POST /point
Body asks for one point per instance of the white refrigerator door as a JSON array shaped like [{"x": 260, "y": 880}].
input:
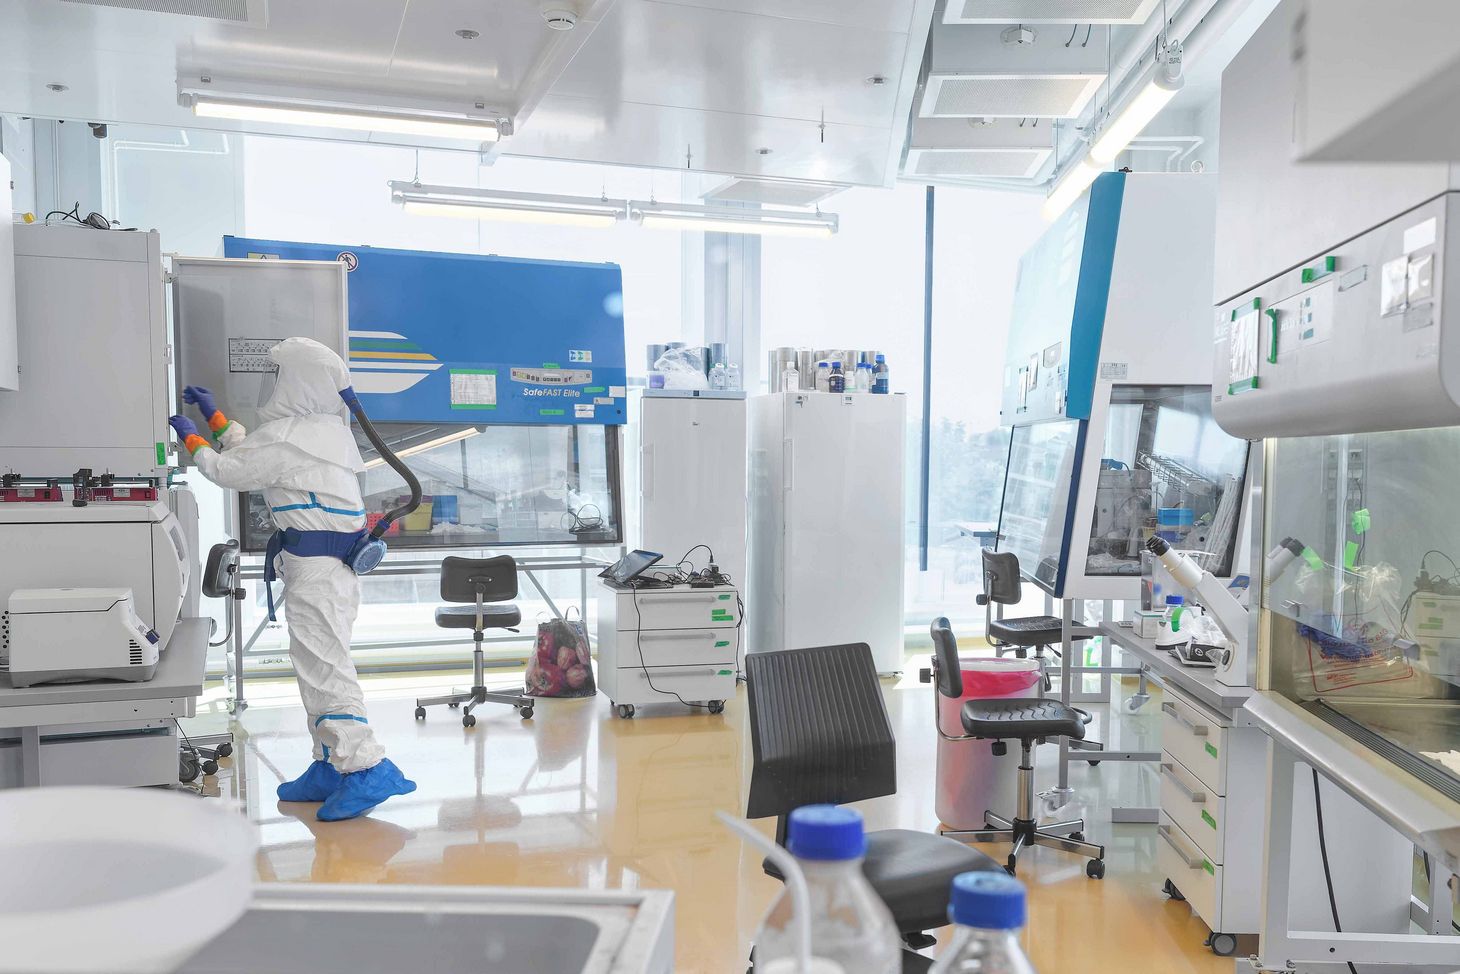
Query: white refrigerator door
[
  {"x": 692, "y": 480},
  {"x": 844, "y": 523}
]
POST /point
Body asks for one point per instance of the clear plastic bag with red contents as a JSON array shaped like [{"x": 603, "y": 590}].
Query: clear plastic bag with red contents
[{"x": 561, "y": 665}]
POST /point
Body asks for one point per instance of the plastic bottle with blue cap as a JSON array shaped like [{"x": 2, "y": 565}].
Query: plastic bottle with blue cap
[
  {"x": 988, "y": 911},
  {"x": 852, "y": 931}
]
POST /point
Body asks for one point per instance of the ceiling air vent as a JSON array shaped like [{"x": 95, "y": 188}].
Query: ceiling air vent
[
  {"x": 976, "y": 163},
  {"x": 252, "y": 12},
  {"x": 772, "y": 192},
  {"x": 986, "y": 148},
  {"x": 971, "y": 72},
  {"x": 1048, "y": 11}
]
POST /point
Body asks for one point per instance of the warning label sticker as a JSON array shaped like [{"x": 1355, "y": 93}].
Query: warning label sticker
[{"x": 473, "y": 389}]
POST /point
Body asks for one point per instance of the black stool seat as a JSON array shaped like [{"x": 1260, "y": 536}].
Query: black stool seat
[
  {"x": 1022, "y": 718},
  {"x": 1026, "y": 631},
  {"x": 494, "y": 616},
  {"x": 912, "y": 873}
]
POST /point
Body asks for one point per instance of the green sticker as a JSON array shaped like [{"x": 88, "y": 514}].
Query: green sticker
[
  {"x": 551, "y": 365},
  {"x": 1237, "y": 387},
  {"x": 550, "y": 412},
  {"x": 1206, "y": 817},
  {"x": 162, "y": 454},
  {"x": 721, "y": 644},
  {"x": 592, "y": 389},
  {"x": 1311, "y": 557},
  {"x": 1207, "y": 865},
  {"x": 1360, "y": 521},
  {"x": 1350, "y": 555},
  {"x": 1211, "y": 749},
  {"x": 725, "y": 597},
  {"x": 725, "y": 673}
]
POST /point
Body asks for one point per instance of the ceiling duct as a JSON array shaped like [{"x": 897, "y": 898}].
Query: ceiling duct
[
  {"x": 1048, "y": 11},
  {"x": 953, "y": 148},
  {"x": 977, "y": 72},
  {"x": 772, "y": 192},
  {"x": 251, "y": 12}
]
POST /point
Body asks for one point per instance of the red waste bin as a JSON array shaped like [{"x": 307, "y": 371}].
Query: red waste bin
[{"x": 971, "y": 779}]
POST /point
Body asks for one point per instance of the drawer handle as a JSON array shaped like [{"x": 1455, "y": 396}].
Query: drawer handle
[
  {"x": 659, "y": 599},
  {"x": 1169, "y": 773},
  {"x": 1197, "y": 730},
  {"x": 1192, "y": 862},
  {"x": 677, "y": 634}
]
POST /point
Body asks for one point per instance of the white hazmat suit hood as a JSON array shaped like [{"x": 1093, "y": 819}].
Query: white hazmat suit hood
[{"x": 305, "y": 410}]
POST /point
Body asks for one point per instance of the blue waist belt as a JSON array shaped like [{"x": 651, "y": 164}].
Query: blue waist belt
[{"x": 304, "y": 544}]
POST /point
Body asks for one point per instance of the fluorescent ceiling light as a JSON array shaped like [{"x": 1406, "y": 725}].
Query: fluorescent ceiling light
[
  {"x": 487, "y": 204},
  {"x": 1074, "y": 182},
  {"x": 287, "y": 112},
  {"x": 1164, "y": 81},
  {"x": 723, "y": 219},
  {"x": 457, "y": 436}
]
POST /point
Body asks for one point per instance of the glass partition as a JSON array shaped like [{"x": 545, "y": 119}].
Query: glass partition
[
  {"x": 1166, "y": 469},
  {"x": 1364, "y": 625},
  {"x": 1037, "y": 486},
  {"x": 486, "y": 486}
]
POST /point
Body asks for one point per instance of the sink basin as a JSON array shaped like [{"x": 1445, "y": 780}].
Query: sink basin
[{"x": 117, "y": 880}]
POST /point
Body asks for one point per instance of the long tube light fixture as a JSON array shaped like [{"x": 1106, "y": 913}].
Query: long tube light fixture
[
  {"x": 491, "y": 204},
  {"x": 1075, "y": 181},
  {"x": 454, "y": 437},
  {"x": 290, "y": 111},
  {"x": 725, "y": 219},
  {"x": 1164, "y": 79}
]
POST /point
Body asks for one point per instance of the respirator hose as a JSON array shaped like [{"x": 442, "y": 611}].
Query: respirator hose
[{"x": 386, "y": 454}]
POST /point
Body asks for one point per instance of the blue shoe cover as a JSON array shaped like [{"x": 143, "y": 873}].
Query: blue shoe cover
[
  {"x": 316, "y": 784},
  {"x": 361, "y": 791}
]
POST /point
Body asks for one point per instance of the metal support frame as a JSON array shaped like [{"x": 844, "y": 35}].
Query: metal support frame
[
  {"x": 527, "y": 566},
  {"x": 1288, "y": 948}
]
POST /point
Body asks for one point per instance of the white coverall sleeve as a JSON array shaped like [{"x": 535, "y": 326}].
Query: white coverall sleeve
[{"x": 255, "y": 468}]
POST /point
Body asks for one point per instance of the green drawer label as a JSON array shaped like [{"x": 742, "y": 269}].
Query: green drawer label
[
  {"x": 721, "y": 644},
  {"x": 725, "y": 597},
  {"x": 721, "y": 615},
  {"x": 1206, "y": 817},
  {"x": 1211, "y": 749},
  {"x": 726, "y": 673},
  {"x": 1207, "y": 865}
]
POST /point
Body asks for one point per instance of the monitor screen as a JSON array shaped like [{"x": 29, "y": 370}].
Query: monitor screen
[{"x": 630, "y": 566}]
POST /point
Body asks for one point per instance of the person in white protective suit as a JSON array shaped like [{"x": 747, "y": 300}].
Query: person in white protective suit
[{"x": 304, "y": 459}]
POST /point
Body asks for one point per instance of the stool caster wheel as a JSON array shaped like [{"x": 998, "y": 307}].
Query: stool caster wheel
[
  {"x": 1093, "y": 764},
  {"x": 454, "y": 706},
  {"x": 525, "y": 712},
  {"x": 187, "y": 768},
  {"x": 420, "y": 713},
  {"x": 470, "y": 720},
  {"x": 717, "y": 706},
  {"x": 210, "y": 767},
  {"x": 1222, "y": 944},
  {"x": 1078, "y": 836},
  {"x": 1169, "y": 888},
  {"x": 1095, "y": 869},
  {"x": 625, "y": 710},
  {"x": 224, "y": 750}
]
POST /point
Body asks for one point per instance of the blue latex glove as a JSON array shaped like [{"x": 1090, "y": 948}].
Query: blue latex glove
[
  {"x": 202, "y": 398},
  {"x": 183, "y": 427},
  {"x": 361, "y": 791}
]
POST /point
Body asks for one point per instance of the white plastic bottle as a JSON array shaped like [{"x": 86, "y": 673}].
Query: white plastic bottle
[
  {"x": 717, "y": 376},
  {"x": 732, "y": 377},
  {"x": 863, "y": 381},
  {"x": 852, "y": 931},
  {"x": 987, "y": 910}
]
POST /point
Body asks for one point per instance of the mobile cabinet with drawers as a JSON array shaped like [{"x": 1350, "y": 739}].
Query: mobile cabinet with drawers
[
  {"x": 1210, "y": 829},
  {"x": 666, "y": 645}
]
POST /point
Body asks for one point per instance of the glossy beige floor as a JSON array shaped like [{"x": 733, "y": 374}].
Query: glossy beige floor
[{"x": 575, "y": 798}]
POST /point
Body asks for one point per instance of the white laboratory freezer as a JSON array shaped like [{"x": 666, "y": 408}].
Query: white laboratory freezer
[
  {"x": 827, "y": 522},
  {"x": 691, "y": 476}
]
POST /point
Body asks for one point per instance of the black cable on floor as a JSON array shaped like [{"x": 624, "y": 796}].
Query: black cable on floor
[{"x": 1327, "y": 873}]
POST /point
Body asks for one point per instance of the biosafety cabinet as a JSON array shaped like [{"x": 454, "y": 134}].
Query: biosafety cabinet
[{"x": 1106, "y": 388}]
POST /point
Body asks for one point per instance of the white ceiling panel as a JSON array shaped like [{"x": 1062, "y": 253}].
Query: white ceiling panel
[
  {"x": 712, "y": 60},
  {"x": 884, "y": 15},
  {"x": 634, "y": 83}
]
